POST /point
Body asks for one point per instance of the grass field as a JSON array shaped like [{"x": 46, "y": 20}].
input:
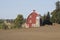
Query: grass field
[{"x": 41, "y": 33}]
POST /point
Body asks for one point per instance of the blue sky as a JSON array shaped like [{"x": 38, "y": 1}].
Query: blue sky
[{"x": 9, "y": 9}]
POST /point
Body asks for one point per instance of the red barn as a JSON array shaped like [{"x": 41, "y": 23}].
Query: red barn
[{"x": 33, "y": 19}]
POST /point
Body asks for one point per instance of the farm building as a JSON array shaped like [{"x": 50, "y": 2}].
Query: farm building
[{"x": 33, "y": 20}]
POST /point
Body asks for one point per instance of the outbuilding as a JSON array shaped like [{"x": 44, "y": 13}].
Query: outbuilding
[{"x": 33, "y": 20}]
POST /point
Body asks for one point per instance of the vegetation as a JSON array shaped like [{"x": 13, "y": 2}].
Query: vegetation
[
  {"x": 10, "y": 23},
  {"x": 48, "y": 16},
  {"x": 19, "y": 21},
  {"x": 47, "y": 19},
  {"x": 56, "y": 16},
  {"x": 2, "y": 24}
]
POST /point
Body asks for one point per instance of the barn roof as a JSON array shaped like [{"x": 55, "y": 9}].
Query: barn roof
[{"x": 34, "y": 12}]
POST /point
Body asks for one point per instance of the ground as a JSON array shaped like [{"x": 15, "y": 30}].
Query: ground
[{"x": 41, "y": 33}]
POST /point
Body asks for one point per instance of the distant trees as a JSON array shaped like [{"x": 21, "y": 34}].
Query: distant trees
[
  {"x": 19, "y": 21},
  {"x": 2, "y": 24},
  {"x": 12, "y": 23},
  {"x": 44, "y": 17},
  {"x": 1, "y": 21},
  {"x": 47, "y": 19},
  {"x": 56, "y": 16},
  {"x": 48, "y": 16}
]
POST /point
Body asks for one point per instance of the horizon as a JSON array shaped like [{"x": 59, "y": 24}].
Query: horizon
[{"x": 9, "y": 9}]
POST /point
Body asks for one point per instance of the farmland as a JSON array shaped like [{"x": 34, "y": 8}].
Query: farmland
[{"x": 41, "y": 33}]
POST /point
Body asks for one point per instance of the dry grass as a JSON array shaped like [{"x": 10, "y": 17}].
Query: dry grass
[{"x": 42, "y": 33}]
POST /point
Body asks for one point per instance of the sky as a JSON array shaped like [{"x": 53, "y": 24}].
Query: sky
[{"x": 9, "y": 9}]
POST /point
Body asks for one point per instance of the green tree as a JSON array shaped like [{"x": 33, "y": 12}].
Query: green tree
[
  {"x": 1, "y": 21},
  {"x": 44, "y": 17},
  {"x": 19, "y": 21},
  {"x": 48, "y": 16},
  {"x": 56, "y": 16},
  {"x": 53, "y": 16}
]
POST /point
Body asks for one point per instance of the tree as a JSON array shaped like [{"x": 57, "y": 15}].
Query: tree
[
  {"x": 48, "y": 16},
  {"x": 19, "y": 21},
  {"x": 1, "y": 21},
  {"x": 56, "y": 16},
  {"x": 44, "y": 17},
  {"x": 47, "y": 19}
]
